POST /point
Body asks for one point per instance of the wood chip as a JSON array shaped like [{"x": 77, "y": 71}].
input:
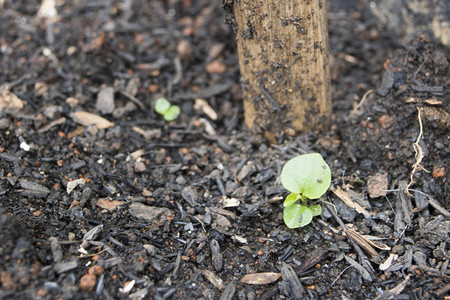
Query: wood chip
[
  {"x": 261, "y": 278},
  {"x": 137, "y": 154},
  {"x": 438, "y": 207},
  {"x": 85, "y": 118},
  {"x": 443, "y": 290},
  {"x": 433, "y": 101},
  {"x": 216, "y": 67},
  {"x": 214, "y": 279}
]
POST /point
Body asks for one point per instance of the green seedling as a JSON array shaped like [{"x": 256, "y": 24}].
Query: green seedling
[
  {"x": 306, "y": 176},
  {"x": 169, "y": 112}
]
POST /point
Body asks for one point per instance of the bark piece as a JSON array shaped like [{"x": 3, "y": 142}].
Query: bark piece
[{"x": 295, "y": 287}]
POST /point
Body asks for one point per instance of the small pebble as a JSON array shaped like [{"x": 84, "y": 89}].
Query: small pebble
[{"x": 87, "y": 282}]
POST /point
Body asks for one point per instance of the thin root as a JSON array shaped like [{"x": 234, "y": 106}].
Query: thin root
[
  {"x": 419, "y": 155},
  {"x": 363, "y": 99}
]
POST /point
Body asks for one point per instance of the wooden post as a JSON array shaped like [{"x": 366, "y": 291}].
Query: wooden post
[{"x": 284, "y": 63}]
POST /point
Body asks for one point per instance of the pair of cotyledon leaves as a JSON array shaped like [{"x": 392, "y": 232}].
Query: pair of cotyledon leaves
[
  {"x": 306, "y": 176},
  {"x": 168, "y": 111}
]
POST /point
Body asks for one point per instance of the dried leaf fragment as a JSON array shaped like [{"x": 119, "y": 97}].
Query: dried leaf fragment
[{"x": 261, "y": 278}]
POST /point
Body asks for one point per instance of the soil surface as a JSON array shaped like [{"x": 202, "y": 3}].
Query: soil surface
[{"x": 100, "y": 198}]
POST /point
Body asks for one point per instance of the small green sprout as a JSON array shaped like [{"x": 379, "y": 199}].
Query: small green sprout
[
  {"x": 169, "y": 112},
  {"x": 306, "y": 176}
]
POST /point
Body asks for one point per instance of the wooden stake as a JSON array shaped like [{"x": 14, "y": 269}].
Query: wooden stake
[{"x": 284, "y": 62}]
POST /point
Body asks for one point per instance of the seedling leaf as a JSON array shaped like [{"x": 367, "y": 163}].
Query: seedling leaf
[
  {"x": 172, "y": 113},
  {"x": 291, "y": 199},
  {"x": 162, "y": 105},
  {"x": 308, "y": 175},
  {"x": 316, "y": 210},
  {"x": 297, "y": 215}
]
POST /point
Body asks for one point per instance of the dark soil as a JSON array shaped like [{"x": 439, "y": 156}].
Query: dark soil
[{"x": 142, "y": 209}]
